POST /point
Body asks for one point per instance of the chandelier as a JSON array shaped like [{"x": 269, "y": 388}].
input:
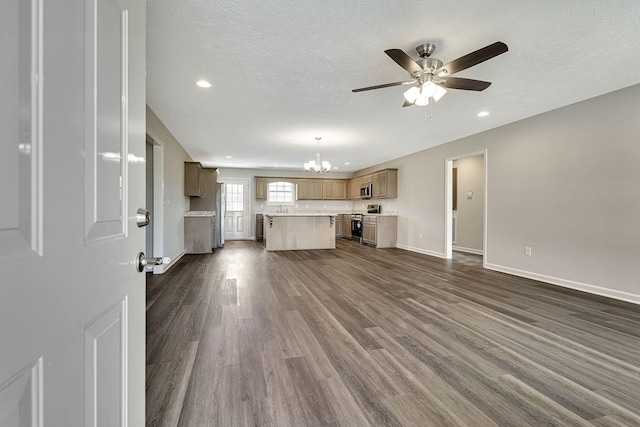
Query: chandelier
[{"x": 317, "y": 166}]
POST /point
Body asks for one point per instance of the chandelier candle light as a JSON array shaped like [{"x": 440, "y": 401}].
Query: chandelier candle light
[{"x": 317, "y": 166}]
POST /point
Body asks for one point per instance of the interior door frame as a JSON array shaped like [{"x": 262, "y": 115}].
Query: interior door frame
[
  {"x": 448, "y": 205},
  {"x": 157, "y": 217}
]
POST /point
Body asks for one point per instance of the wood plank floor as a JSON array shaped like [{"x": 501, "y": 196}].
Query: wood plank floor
[{"x": 383, "y": 337}]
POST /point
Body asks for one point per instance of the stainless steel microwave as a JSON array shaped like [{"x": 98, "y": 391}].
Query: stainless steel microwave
[{"x": 366, "y": 190}]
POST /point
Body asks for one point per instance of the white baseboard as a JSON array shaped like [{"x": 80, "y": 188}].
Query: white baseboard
[
  {"x": 160, "y": 269},
  {"x": 422, "y": 251},
  {"x": 468, "y": 250},
  {"x": 584, "y": 287}
]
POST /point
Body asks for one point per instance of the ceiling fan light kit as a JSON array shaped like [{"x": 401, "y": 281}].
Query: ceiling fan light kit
[{"x": 430, "y": 77}]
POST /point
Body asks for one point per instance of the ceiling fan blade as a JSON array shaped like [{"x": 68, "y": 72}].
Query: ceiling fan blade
[
  {"x": 473, "y": 58},
  {"x": 404, "y": 60},
  {"x": 362, "y": 89},
  {"x": 464, "y": 84}
]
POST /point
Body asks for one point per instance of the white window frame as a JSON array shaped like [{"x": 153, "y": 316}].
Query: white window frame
[{"x": 294, "y": 189}]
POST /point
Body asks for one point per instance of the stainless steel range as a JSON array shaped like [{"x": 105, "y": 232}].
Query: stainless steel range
[{"x": 356, "y": 226}]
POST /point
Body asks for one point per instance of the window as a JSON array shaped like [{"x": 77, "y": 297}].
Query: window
[
  {"x": 235, "y": 197},
  {"x": 281, "y": 193}
]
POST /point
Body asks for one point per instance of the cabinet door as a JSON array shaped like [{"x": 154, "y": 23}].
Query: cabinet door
[
  {"x": 379, "y": 185},
  {"x": 193, "y": 179},
  {"x": 354, "y": 189},
  {"x": 340, "y": 190},
  {"x": 334, "y": 189},
  {"x": 261, "y": 188},
  {"x": 309, "y": 189},
  {"x": 346, "y": 226},
  {"x": 369, "y": 232},
  {"x": 328, "y": 188}
]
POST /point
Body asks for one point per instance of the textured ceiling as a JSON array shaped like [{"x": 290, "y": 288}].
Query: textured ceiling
[{"x": 282, "y": 72}]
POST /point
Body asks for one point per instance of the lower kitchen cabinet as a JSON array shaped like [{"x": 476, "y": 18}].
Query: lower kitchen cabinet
[
  {"x": 199, "y": 234},
  {"x": 380, "y": 231},
  {"x": 346, "y": 225}
]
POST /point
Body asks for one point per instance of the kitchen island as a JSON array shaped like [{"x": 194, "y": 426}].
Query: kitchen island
[{"x": 299, "y": 231}]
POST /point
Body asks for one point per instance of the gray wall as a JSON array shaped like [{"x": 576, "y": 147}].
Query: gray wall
[{"x": 564, "y": 183}]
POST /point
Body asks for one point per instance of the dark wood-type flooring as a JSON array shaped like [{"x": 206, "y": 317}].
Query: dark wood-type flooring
[{"x": 384, "y": 337}]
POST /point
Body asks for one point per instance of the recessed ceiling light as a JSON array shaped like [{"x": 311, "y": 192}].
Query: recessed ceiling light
[
  {"x": 483, "y": 114},
  {"x": 203, "y": 83},
  {"x": 229, "y": 157},
  {"x": 347, "y": 163},
  {"x": 335, "y": 168}
]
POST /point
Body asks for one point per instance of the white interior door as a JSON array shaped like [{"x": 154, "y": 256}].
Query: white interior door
[
  {"x": 237, "y": 209},
  {"x": 72, "y": 114}
]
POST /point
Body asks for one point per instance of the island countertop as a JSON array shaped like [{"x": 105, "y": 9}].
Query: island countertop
[{"x": 299, "y": 214}]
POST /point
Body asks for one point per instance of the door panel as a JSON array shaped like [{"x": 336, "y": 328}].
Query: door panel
[
  {"x": 71, "y": 300},
  {"x": 20, "y": 121},
  {"x": 237, "y": 209}
]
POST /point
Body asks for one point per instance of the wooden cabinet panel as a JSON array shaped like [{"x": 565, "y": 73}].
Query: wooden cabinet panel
[
  {"x": 353, "y": 192},
  {"x": 334, "y": 189},
  {"x": 193, "y": 179},
  {"x": 261, "y": 188},
  {"x": 346, "y": 226},
  {"x": 385, "y": 184},
  {"x": 309, "y": 189},
  {"x": 369, "y": 233}
]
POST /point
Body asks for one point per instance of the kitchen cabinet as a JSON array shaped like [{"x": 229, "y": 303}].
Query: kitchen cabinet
[
  {"x": 259, "y": 228},
  {"x": 334, "y": 189},
  {"x": 380, "y": 231},
  {"x": 354, "y": 189},
  {"x": 310, "y": 189},
  {"x": 385, "y": 184},
  {"x": 199, "y": 232},
  {"x": 346, "y": 226},
  {"x": 261, "y": 188},
  {"x": 338, "y": 225},
  {"x": 369, "y": 225},
  {"x": 193, "y": 179}
]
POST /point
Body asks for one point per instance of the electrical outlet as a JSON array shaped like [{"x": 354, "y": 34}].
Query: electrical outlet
[{"x": 527, "y": 251}]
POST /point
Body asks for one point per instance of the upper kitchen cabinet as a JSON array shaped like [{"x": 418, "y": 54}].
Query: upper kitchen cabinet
[
  {"x": 261, "y": 188},
  {"x": 334, "y": 189},
  {"x": 353, "y": 192},
  {"x": 310, "y": 189},
  {"x": 193, "y": 179},
  {"x": 385, "y": 184}
]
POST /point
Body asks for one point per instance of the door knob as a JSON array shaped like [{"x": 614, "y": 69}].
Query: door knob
[
  {"x": 143, "y": 217},
  {"x": 150, "y": 262}
]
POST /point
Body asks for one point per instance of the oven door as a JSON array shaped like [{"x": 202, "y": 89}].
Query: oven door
[{"x": 356, "y": 227}]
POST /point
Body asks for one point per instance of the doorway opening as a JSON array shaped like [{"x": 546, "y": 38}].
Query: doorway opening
[{"x": 466, "y": 208}]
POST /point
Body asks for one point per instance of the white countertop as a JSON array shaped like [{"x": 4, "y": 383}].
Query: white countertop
[
  {"x": 200, "y": 213},
  {"x": 300, "y": 214}
]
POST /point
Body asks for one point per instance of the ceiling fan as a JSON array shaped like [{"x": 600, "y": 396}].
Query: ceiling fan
[{"x": 431, "y": 79}]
